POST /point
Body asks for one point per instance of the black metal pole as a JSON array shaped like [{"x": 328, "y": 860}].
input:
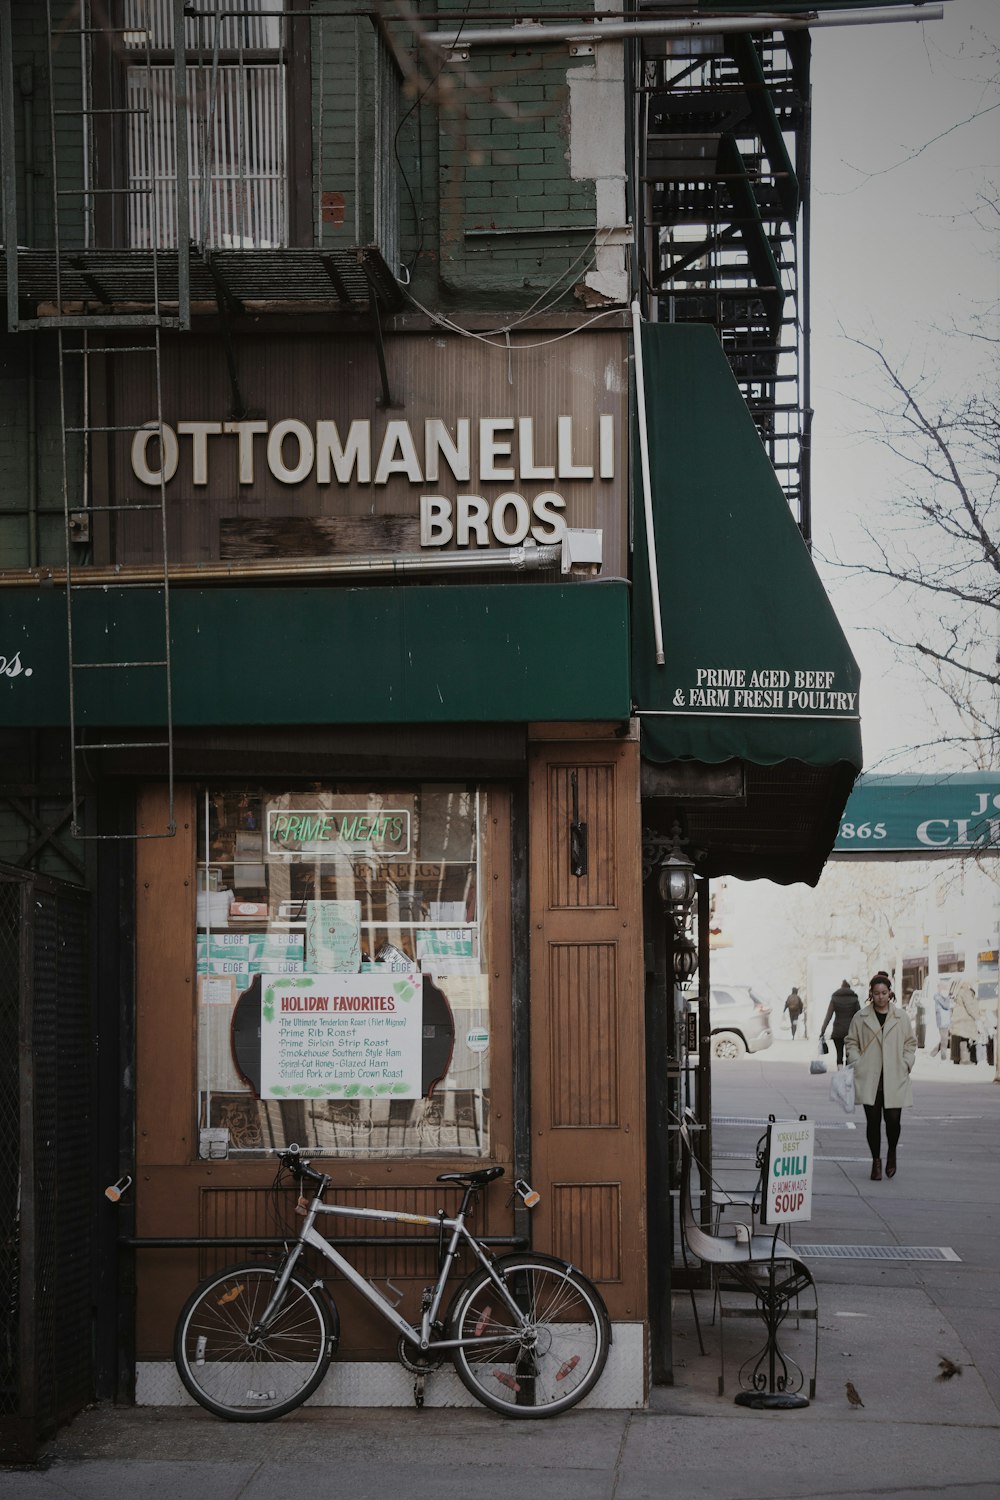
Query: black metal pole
[{"x": 660, "y": 1218}]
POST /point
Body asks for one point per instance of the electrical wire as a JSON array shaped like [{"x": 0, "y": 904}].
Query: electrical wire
[{"x": 490, "y": 335}]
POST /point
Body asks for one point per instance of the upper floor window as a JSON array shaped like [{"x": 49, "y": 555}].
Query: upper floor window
[{"x": 237, "y": 167}]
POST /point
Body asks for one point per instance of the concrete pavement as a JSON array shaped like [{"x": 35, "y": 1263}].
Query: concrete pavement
[{"x": 884, "y": 1324}]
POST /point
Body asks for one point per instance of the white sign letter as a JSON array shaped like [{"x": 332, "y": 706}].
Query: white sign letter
[
  {"x": 200, "y": 432},
  {"x": 511, "y": 537},
  {"x": 275, "y": 456},
  {"x": 567, "y": 468},
  {"x": 398, "y": 435},
  {"x": 168, "y": 453},
  {"x": 356, "y": 453},
  {"x": 492, "y": 447},
  {"x": 435, "y": 521},
  {"x": 245, "y": 432},
  {"x": 547, "y": 507},
  {"x": 607, "y": 428},
  {"x": 456, "y": 452},
  {"x": 526, "y": 444},
  {"x": 472, "y": 515}
]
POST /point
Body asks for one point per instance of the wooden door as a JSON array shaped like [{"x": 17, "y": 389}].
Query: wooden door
[{"x": 587, "y": 1054}]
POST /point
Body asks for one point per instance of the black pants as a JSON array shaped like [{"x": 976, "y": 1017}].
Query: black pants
[
  {"x": 873, "y": 1128},
  {"x": 795, "y": 1021},
  {"x": 838, "y": 1042}
]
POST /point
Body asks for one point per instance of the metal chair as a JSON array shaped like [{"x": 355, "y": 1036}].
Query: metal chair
[{"x": 772, "y": 1273}]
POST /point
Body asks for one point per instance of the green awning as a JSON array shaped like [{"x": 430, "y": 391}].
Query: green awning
[
  {"x": 922, "y": 815},
  {"x": 757, "y": 669},
  {"x": 321, "y": 655}
]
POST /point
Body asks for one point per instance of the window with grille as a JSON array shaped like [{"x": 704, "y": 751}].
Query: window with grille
[{"x": 237, "y": 167}]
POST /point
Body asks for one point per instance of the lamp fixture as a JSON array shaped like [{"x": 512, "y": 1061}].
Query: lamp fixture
[
  {"x": 685, "y": 959},
  {"x": 675, "y": 880}
]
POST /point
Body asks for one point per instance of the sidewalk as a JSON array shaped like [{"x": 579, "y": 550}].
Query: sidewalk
[{"x": 883, "y": 1325}]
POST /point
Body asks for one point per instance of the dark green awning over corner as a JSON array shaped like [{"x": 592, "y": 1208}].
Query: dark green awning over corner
[{"x": 757, "y": 667}]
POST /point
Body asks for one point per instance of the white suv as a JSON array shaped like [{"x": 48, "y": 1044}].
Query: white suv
[{"x": 740, "y": 1018}]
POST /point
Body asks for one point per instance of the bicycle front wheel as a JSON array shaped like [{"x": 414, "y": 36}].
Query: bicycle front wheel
[
  {"x": 542, "y": 1364},
  {"x": 237, "y": 1371}
]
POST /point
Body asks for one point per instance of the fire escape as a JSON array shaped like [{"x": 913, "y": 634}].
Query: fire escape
[
  {"x": 151, "y": 184},
  {"x": 723, "y": 166}
]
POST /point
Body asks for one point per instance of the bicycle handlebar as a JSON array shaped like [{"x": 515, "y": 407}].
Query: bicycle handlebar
[{"x": 299, "y": 1168}]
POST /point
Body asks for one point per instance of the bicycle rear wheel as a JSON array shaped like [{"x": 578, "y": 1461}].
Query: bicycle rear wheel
[
  {"x": 548, "y": 1363},
  {"x": 244, "y": 1375}
]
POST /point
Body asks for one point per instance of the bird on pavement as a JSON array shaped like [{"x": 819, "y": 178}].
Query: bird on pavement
[
  {"x": 852, "y": 1395},
  {"x": 948, "y": 1368}
]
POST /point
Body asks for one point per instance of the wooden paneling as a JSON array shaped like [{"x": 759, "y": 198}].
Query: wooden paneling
[
  {"x": 593, "y": 805},
  {"x": 587, "y": 1226},
  {"x": 316, "y": 536},
  {"x": 587, "y": 1033},
  {"x": 165, "y": 980},
  {"x": 584, "y": 1068}
]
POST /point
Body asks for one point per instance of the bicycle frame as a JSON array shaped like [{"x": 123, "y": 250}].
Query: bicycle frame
[{"x": 420, "y": 1336}]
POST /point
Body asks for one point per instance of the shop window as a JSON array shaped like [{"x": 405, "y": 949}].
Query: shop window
[
  {"x": 237, "y": 125},
  {"x": 342, "y": 953}
]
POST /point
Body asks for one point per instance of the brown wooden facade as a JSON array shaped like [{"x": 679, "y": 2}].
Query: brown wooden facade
[{"x": 585, "y": 1057}]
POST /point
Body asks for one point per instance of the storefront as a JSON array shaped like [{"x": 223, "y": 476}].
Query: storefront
[
  {"x": 376, "y": 808},
  {"x": 390, "y": 903}
]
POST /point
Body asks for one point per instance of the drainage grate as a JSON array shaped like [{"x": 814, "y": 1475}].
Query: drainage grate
[{"x": 877, "y": 1252}]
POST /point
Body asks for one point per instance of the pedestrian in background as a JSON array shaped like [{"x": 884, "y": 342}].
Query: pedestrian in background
[
  {"x": 964, "y": 1021},
  {"x": 881, "y": 1047},
  {"x": 793, "y": 1005},
  {"x": 942, "y": 1018},
  {"x": 844, "y": 1006}
]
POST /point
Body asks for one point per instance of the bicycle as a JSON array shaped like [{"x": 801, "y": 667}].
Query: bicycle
[{"x": 527, "y": 1333}]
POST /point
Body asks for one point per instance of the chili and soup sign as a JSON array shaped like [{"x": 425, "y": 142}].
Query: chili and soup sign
[{"x": 789, "y": 1158}]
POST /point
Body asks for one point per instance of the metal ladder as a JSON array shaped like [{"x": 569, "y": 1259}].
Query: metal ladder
[{"x": 120, "y": 670}]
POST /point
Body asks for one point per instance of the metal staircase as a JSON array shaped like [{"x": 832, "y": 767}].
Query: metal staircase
[{"x": 724, "y": 127}]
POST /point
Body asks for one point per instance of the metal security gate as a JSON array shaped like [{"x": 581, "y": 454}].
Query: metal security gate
[{"x": 46, "y": 1160}]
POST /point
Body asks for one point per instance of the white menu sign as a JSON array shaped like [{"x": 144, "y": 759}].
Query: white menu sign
[
  {"x": 341, "y": 1036},
  {"x": 788, "y": 1189}
]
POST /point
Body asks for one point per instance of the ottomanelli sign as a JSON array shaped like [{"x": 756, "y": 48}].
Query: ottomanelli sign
[
  {"x": 532, "y": 461},
  {"x": 341, "y": 1036}
]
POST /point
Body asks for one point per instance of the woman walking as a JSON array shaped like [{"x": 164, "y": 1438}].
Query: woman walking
[
  {"x": 844, "y": 1006},
  {"x": 881, "y": 1047}
]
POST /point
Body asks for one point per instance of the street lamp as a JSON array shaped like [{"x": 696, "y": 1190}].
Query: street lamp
[{"x": 676, "y": 885}]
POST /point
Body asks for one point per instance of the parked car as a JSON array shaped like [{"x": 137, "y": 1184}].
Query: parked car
[{"x": 740, "y": 1020}]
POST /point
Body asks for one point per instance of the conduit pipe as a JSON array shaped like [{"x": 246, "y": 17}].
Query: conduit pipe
[
  {"x": 647, "y": 489},
  {"x": 528, "y": 32},
  {"x": 525, "y": 559}
]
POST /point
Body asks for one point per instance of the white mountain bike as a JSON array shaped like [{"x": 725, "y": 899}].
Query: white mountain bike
[{"x": 528, "y": 1334}]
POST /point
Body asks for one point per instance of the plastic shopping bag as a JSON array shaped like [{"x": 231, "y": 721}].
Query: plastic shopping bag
[
  {"x": 842, "y": 1088},
  {"x": 818, "y": 1064}
]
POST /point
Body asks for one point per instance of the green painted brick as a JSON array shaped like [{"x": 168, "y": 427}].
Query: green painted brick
[
  {"x": 489, "y": 172},
  {"x": 558, "y": 219},
  {"x": 543, "y": 172}
]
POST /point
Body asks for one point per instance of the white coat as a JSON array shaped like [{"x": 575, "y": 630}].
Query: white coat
[{"x": 886, "y": 1052}]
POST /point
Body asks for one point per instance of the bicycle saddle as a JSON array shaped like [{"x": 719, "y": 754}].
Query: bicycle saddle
[{"x": 473, "y": 1179}]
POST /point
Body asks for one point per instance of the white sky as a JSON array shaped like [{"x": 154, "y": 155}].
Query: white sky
[{"x": 894, "y": 256}]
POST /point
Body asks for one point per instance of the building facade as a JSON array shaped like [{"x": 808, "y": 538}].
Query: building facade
[{"x": 403, "y": 553}]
